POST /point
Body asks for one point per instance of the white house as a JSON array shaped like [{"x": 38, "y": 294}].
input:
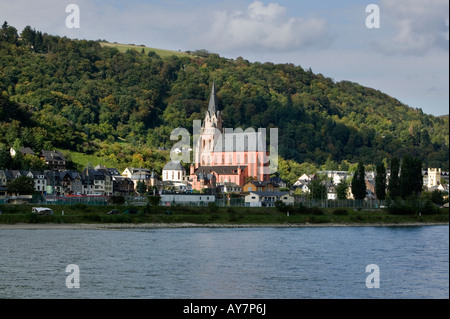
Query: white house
[
  {"x": 174, "y": 171},
  {"x": 137, "y": 174},
  {"x": 302, "y": 180},
  {"x": 268, "y": 199},
  {"x": 40, "y": 180}
]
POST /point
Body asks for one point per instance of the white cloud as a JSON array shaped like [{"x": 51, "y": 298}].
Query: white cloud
[
  {"x": 419, "y": 26},
  {"x": 266, "y": 27}
]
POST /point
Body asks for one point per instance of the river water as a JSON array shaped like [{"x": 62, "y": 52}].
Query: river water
[{"x": 268, "y": 263}]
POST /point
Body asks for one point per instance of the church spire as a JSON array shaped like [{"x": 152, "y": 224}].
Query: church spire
[{"x": 213, "y": 105}]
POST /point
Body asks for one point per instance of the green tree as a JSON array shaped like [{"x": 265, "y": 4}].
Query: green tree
[
  {"x": 437, "y": 197},
  {"x": 410, "y": 180},
  {"x": 21, "y": 185},
  {"x": 380, "y": 181},
  {"x": 6, "y": 161},
  {"x": 359, "y": 183},
  {"x": 317, "y": 189},
  {"x": 141, "y": 188},
  {"x": 394, "y": 182},
  {"x": 8, "y": 33},
  {"x": 28, "y": 36},
  {"x": 341, "y": 190}
]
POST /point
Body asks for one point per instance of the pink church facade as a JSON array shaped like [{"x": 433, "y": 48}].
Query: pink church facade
[{"x": 227, "y": 155}]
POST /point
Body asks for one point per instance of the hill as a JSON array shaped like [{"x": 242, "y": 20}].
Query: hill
[
  {"x": 120, "y": 103},
  {"x": 146, "y": 50}
]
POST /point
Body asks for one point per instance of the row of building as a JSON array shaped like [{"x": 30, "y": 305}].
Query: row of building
[{"x": 226, "y": 161}]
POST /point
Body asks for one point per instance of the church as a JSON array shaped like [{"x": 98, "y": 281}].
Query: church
[{"x": 223, "y": 155}]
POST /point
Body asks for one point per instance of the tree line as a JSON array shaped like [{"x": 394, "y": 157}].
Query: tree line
[{"x": 121, "y": 107}]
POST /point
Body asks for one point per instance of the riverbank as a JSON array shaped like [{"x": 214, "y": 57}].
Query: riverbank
[
  {"x": 122, "y": 226},
  {"x": 72, "y": 216}
]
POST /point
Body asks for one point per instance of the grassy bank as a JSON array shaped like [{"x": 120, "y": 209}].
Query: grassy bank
[{"x": 80, "y": 213}]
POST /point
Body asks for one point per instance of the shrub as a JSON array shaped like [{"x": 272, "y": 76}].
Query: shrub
[
  {"x": 340, "y": 211},
  {"x": 315, "y": 211},
  {"x": 117, "y": 200},
  {"x": 428, "y": 208},
  {"x": 154, "y": 200},
  {"x": 397, "y": 207},
  {"x": 280, "y": 206},
  {"x": 212, "y": 207},
  {"x": 299, "y": 209}
]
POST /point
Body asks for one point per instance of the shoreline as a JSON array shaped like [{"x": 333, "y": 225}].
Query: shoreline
[{"x": 116, "y": 226}]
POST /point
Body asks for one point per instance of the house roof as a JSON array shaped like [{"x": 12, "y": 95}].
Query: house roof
[
  {"x": 262, "y": 183},
  {"x": 277, "y": 194},
  {"x": 174, "y": 165},
  {"x": 134, "y": 170},
  {"x": 219, "y": 170},
  {"x": 26, "y": 150},
  {"x": 53, "y": 155}
]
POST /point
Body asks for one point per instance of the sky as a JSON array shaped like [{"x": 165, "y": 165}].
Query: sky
[{"x": 406, "y": 55}]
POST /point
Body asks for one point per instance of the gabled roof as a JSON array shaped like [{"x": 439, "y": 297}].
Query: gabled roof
[
  {"x": 174, "y": 165},
  {"x": 277, "y": 194},
  {"x": 53, "y": 156},
  {"x": 262, "y": 183},
  {"x": 220, "y": 170},
  {"x": 26, "y": 150}
]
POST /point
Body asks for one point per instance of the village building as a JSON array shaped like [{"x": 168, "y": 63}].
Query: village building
[
  {"x": 174, "y": 171},
  {"x": 260, "y": 186},
  {"x": 229, "y": 187},
  {"x": 23, "y": 150},
  {"x": 137, "y": 175},
  {"x": 226, "y": 155},
  {"x": 122, "y": 186},
  {"x": 55, "y": 160},
  {"x": 268, "y": 199}
]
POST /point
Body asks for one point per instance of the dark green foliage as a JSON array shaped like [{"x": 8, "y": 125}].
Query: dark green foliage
[
  {"x": 281, "y": 207},
  {"x": 76, "y": 95},
  {"x": 117, "y": 200},
  {"x": 437, "y": 197},
  {"x": 411, "y": 180},
  {"x": 358, "y": 182},
  {"x": 315, "y": 211},
  {"x": 380, "y": 181},
  {"x": 394, "y": 182},
  {"x": 154, "y": 200},
  {"x": 212, "y": 207},
  {"x": 21, "y": 185},
  {"x": 317, "y": 189},
  {"x": 340, "y": 211},
  {"x": 341, "y": 190}
]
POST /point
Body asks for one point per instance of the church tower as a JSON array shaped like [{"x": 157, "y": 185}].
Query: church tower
[
  {"x": 211, "y": 129},
  {"x": 213, "y": 117}
]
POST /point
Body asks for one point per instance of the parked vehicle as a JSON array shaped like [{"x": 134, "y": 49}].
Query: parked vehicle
[
  {"x": 113, "y": 212},
  {"x": 42, "y": 211}
]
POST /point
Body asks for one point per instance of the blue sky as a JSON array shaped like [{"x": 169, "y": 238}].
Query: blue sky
[{"x": 407, "y": 57}]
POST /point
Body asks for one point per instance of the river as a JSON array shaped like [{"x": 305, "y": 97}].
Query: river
[{"x": 270, "y": 263}]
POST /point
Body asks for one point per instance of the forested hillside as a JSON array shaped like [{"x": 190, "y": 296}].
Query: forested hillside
[{"x": 81, "y": 97}]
